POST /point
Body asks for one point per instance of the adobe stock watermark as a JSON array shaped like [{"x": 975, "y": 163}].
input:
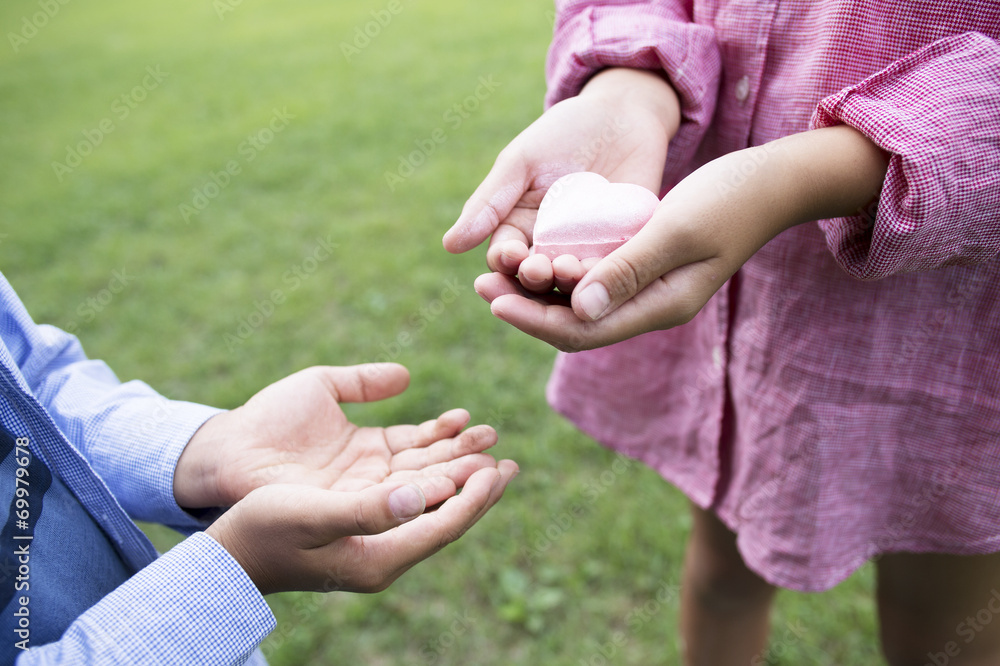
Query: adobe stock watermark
[
  {"x": 916, "y": 508},
  {"x": 607, "y": 653},
  {"x": 612, "y": 132},
  {"x": 121, "y": 108},
  {"x": 246, "y": 152},
  {"x": 969, "y": 629},
  {"x": 305, "y": 608},
  {"x": 562, "y": 522},
  {"x": 753, "y": 159},
  {"x": 416, "y": 324},
  {"x": 453, "y": 118},
  {"x": 292, "y": 279},
  {"x": 33, "y": 24},
  {"x": 793, "y": 634},
  {"x": 763, "y": 494},
  {"x": 90, "y": 307},
  {"x": 937, "y": 322},
  {"x": 365, "y": 34},
  {"x": 433, "y": 650},
  {"x": 223, "y": 7}
]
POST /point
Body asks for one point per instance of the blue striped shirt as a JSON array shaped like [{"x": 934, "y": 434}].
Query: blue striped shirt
[{"x": 112, "y": 448}]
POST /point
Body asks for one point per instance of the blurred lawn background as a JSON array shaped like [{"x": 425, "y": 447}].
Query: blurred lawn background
[{"x": 582, "y": 557}]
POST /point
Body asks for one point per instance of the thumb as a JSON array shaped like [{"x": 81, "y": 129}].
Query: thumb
[
  {"x": 620, "y": 276},
  {"x": 364, "y": 383},
  {"x": 372, "y": 511},
  {"x": 490, "y": 204}
]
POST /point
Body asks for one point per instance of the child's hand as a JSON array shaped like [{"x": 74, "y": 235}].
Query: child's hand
[
  {"x": 294, "y": 431},
  {"x": 619, "y": 126},
  {"x": 293, "y": 537},
  {"x": 703, "y": 231},
  {"x": 537, "y": 274}
]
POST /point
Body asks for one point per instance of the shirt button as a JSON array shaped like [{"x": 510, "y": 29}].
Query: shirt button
[
  {"x": 743, "y": 88},
  {"x": 717, "y": 358}
]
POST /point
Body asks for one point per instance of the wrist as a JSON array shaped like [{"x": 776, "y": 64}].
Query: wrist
[
  {"x": 196, "y": 476},
  {"x": 227, "y": 535},
  {"x": 638, "y": 87}
]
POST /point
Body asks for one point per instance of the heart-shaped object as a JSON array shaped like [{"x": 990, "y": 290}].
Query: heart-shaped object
[{"x": 586, "y": 216}]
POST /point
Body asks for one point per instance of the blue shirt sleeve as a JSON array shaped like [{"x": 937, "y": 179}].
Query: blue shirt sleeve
[
  {"x": 128, "y": 433},
  {"x": 193, "y": 605}
]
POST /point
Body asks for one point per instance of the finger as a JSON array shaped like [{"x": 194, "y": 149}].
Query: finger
[
  {"x": 473, "y": 440},
  {"x": 402, "y": 437},
  {"x": 554, "y": 324},
  {"x": 505, "y": 255},
  {"x": 431, "y": 532},
  {"x": 436, "y": 489},
  {"x": 491, "y": 286},
  {"x": 490, "y": 204},
  {"x": 535, "y": 274},
  {"x": 511, "y": 240},
  {"x": 669, "y": 301},
  {"x": 364, "y": 383},
  {"x": 567, "y": 272},
  {"x": 458, "y": 470}
]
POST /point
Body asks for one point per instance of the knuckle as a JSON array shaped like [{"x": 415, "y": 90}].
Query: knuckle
[
  {"x": 573, "y": 345},
  {"x": 363, "y": 523},
  {"x": 686, "y": 310},
  {"x": 624, "y": 278},
  {"x": 449, "y": 536}
]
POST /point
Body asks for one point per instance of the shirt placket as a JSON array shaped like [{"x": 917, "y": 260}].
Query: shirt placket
[{"x": 743, "y": 31}]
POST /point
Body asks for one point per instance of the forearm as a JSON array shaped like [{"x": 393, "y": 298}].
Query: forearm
[
  {"x": 830, "y": 172},
  {"x": 799, "y": 178}
]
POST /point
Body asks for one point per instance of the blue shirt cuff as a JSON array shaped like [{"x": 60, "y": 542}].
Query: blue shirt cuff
[
  {"x": 193, "y": 605},
  {"x": 148, "y": 437}
]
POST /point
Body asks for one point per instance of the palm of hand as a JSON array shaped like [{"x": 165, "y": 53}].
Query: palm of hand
[{"x": 294, "y": 431}]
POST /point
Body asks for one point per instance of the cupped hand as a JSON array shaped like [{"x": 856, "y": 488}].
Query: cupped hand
[
  {"x": 294, "y": 432},
  {"x": 293, "y": 537},
  {"x": 703, "y": 231},
  {"x": 618, "y": 126}
]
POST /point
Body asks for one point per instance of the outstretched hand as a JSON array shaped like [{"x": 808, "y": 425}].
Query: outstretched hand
[
  {"x": 319, "y": 503},
  {"x": 293, "y": 537},
  {"x": 294, "y": 432}
]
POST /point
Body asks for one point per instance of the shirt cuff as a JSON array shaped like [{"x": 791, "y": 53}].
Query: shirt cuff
[
  {"x": 150, "y": 435},
  {"x": 193, "y": 605},
  {"x": 651, "y": 36},
  {"x": 936, "y": 111}
]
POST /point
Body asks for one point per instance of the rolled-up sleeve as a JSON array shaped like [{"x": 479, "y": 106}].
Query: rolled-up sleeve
[
  {"x": 937, "y": 112},
  {"x": 657, "y": 36},
  {"x": 131, "y": 435}
]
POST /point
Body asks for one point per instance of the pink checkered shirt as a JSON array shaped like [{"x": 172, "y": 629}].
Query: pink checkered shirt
[{"x": 840, "y": 397}]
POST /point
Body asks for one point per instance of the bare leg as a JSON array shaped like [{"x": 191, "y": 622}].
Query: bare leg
[
  {"x": 725, "y": 607},
  {"x": 940, "y": 610}
]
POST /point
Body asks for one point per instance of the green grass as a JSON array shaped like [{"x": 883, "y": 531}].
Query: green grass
[{"x": 506, "y": 593}]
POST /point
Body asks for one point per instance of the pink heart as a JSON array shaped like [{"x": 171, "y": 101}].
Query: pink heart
[{"x": 584, "y": 215}]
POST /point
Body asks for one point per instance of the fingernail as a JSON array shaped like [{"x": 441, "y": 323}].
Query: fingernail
[
  {"x": 507, "y": 262},
  {"x": 406, "y": 503},
  {"x": 594, "y": 300}
]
